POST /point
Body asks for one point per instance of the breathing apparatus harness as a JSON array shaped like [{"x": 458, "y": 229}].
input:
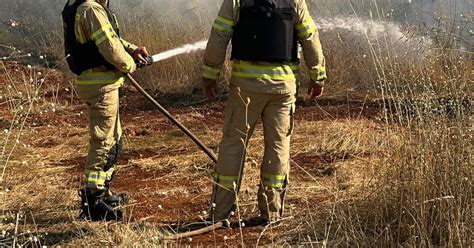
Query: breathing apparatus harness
[
  {"x": 82, "y": 57},
  {"x": 266, "y": 31}
]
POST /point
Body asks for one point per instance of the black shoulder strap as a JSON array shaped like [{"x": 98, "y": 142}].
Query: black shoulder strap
[{"x": 77, "y": 3}]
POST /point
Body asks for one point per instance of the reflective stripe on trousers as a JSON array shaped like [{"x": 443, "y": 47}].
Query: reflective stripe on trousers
[
  {"x": 228, "y": 182},
  {"x": 275, "y": 181},
  {"x": 97, "y": 179}
]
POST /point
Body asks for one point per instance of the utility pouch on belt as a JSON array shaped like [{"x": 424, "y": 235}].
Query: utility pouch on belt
[
  {"x": 85, "y": 56},
  {"x": 265, "y": 31}
]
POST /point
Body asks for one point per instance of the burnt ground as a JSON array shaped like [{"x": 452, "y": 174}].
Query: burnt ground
[{"x": 152, "y": 203}]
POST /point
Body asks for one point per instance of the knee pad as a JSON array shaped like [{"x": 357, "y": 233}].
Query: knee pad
[{"x": 113, "y": 155}]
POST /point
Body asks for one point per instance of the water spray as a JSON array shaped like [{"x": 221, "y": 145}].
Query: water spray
[{"x": 188, "y": 48}]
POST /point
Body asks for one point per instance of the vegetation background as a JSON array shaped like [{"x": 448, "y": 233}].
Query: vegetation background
[{"x": 403, "y": 175}]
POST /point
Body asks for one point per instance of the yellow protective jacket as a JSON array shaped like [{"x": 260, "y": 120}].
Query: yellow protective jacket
[
  {"x": 273, "y": 78},
  {"x": 92, "y": 24}
]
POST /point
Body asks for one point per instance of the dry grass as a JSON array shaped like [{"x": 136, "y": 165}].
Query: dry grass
[{"x": 400, "y": 178}]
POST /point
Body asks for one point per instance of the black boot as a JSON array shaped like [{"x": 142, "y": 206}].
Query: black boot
[
  {"x": 95, "y": 208},
  {"x": 257, "y": 221},
  {"x": 112, "y": 198},
  {"x": 116, "y": 199}
]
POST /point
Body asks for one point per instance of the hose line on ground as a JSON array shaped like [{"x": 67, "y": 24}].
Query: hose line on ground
[{"x": 165, "y": 112}]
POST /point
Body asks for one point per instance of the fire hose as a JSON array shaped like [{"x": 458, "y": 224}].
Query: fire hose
[
  {"x": 149, "y": 61},
  {"x": 165, "y": 112},
  {"x": 196, "y": 140}
]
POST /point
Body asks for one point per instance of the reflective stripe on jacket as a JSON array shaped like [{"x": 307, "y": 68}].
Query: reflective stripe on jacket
[
  {"x": 100, "y": 77},
  {"x": 92, "y": 24},
  {"x": 247, "y": 69}
]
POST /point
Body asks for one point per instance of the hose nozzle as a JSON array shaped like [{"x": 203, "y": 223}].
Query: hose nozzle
[{"x": 141, "y": 64}]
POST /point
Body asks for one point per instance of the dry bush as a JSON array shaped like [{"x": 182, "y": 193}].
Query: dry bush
[{"x": 422, "y": 193}]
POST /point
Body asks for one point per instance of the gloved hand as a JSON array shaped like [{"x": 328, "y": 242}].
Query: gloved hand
[
  {"x": 210, "y": 88},
  {"x": 140, "y": 54},
  {"x": 315, "y": 90}
]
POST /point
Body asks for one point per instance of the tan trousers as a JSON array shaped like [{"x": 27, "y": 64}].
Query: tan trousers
[
  {"x": 105, "y": 131},
  {"x": 242, "y": 112}
]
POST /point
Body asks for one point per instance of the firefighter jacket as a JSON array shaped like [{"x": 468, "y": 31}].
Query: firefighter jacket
[
  {"x": 92, "y": 24},
  {"x": 259, "y": 76}
]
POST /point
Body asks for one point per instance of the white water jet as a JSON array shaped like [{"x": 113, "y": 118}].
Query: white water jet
[
  {"x": 359, "y": 27},
  {"x": 383, "y": 35},
  {"x": 373, "y": 29},
  {"x": 188, "y": 48}
]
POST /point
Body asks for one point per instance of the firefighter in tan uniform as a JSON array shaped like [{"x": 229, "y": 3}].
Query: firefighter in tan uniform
[
  {"x": 265, "y": 36},
  {"x": 99, "y": 57}
]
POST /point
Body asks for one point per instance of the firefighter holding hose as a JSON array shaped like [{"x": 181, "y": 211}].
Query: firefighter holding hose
[
  {"x": 99, "y": 58},
  {"x": 265, "y": 35}
]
